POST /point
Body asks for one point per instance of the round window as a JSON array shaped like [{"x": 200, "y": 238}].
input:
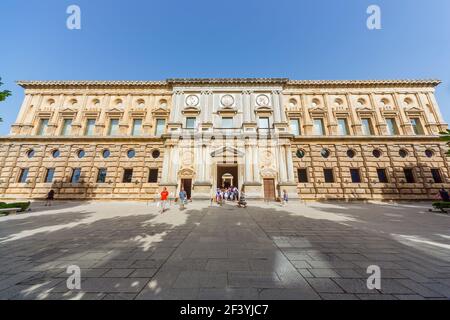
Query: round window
[
  {"x": 131, "y": 153},
  {"x": 156, "y": 154},
  {"x": 376, "y": 153},
  {"x": 350, "y": 153},
  {"x": 30, "y": 153},
  {"x": 300, "y": 153},
  {"x": 325, "y": 153},
  {"x": 403, "y": 153},
  {"x": 106, "y": 153},
  {"x": 81, "y": 154},
  {"x": 429, "y": 153},
  {"x": 56, "y": 153}
]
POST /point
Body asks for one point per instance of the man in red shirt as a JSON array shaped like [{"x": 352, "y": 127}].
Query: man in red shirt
[{"x": 164, "y": 195}]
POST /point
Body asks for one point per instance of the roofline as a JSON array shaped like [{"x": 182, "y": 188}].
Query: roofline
[{"x": 204, "y": 81}]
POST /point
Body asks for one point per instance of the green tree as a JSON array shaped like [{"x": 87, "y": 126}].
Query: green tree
[
  {"x": 445, "y": 136},
  {"x": 3, "y": 94}
]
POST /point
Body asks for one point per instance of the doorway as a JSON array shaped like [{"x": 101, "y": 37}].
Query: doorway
[
  {"x": 187, "y": 186},
  {"x": 269, "y": 189},
  {"x": 227, "y": 176}
]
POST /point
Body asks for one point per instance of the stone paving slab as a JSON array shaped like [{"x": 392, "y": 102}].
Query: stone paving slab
[{"x": 127, "y": 250}]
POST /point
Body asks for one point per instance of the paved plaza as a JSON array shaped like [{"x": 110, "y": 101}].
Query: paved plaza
[{"x": 127, "y": 250}]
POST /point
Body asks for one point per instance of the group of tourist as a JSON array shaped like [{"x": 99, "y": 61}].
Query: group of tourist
[{"x": 231, "y": 194}]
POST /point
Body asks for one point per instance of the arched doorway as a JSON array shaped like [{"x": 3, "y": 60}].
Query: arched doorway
[{"x": 227, "y": 180}]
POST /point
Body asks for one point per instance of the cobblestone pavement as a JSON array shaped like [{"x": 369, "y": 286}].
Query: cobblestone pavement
[{"x": 127, "y": 250}]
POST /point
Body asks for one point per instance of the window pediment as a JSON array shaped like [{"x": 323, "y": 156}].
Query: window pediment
[
  {"x": 263, "y": 109},
  {"x": 227, "y": 152},
  {"x": 160, "y": 112},
  {"x": 191, "y": 111},
  {"x": 227, "y": 111}
]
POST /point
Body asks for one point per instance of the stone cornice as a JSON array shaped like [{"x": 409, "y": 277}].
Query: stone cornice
[
  {"x": 364, "y": 83},
  {"x": 79, "y": 139},
  {"x": 194, "y": 81}
]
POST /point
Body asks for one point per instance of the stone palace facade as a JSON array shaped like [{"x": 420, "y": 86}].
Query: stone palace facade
[{"x": 315, "y": 139}]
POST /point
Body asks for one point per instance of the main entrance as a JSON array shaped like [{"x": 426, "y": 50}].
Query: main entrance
[
  {"x": 227, "y": 176},
  {"x": 187, "y": 186},
  {"x": 269, "y": 189}
]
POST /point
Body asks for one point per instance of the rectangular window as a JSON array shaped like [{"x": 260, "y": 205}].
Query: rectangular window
[
  {"x": 101, "y": 176},
  {"x": 409, "y": 175},
  {"x": 127, "y": 175},
  {"x": 160, "y": 126},
  {"x": 49, "y": 175},
  {"x": 302, "y": 175},
  {"x": 356, "y": 177},
  {"x": 190, "y": 123},
  {"x": 76, "y": 174},
  {"x": 113, "y": 127},
  {"x": 417, "y": 126},
  {"x": 137, "y": 127},
  {"x": 382, "y": 175},
  {"x": 366, "y": 127},
  {"x": 23, "y": 175},
  {"x": 319, "y": 129},
  {"x": 391, "y": 127},
  {"x": 227, "y": 123},
  {"x": 43, "y": 125},
  {"x": 90, "y": 127},
  {"x": 263, "y": 123},
  {"x": 342, "y": 127},
  {"x": 295, "y": 127},
  {"x": 153, "y": 176},
  {"x": 328, "y": 175},
  {"x": 436, "y": 173},
  {"x": 66, "y": 127}
]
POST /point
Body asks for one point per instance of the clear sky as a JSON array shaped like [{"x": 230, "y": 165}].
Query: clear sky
[{"x": 159, "y": 39}]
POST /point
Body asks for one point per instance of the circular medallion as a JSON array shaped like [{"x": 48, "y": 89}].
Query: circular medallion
[
  {"x": 227, "y": 100},
  {"x": 192, "y": 100},
  {"x": 262, "y": 100}
]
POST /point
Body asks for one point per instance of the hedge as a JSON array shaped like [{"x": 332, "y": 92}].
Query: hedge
[{"x": 22, "y": 205}]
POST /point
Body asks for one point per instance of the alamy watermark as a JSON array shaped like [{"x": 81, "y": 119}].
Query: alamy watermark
[
  {"x": 74, "y": 280},
  {"x": 73, "y": 21},
  {"x": 374, "y": 280},
  {"x": 374, "y": 19}
]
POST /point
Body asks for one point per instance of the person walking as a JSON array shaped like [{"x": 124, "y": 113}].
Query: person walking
[
  {"x": 183, "y": 197},
  {"x": 444, "y": 195},
  {"x": 50, "y": 198},
  {"x": 164, "y": 195},
  {"x": 285, "y": 198}
]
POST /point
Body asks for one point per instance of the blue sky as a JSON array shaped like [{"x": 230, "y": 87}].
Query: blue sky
[{"x": 153, "y": 40}]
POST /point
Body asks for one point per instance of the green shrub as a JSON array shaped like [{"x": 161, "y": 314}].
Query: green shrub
[{"x": 22, "y": 205}]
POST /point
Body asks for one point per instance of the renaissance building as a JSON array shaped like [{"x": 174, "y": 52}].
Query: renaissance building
[{"x": 314, "y": 139}]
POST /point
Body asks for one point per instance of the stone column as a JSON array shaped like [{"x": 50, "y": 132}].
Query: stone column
[
  {"x": 332, "y": 124},
  {"x": 357, "y": 127},
  {"x": 256, "y": 172},
  {"x": 247, "y": 159},
  {"x": 166, "y": 164},
  {"x": 282, "y": 111},
  {"x": 276, "y": 106},
  {"x": 289, "y": 164},
  {"x": 282, "y": 163},
  {"x": 251, "y": 106},
  {"x": 246, "y": 105},
  {"x": 381, "y": 123},
  {"x": 405, "y": 123},
  {"x": 24, "y": 109},
  {"x": 307, "y": 122}
]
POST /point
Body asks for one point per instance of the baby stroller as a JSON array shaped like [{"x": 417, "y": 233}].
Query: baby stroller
[{"x": 241, "y": 202}]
